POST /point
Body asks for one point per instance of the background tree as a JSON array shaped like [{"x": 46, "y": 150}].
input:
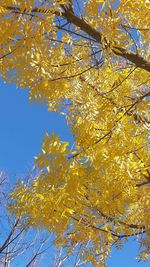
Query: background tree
[{"x": 89, "y": 60}]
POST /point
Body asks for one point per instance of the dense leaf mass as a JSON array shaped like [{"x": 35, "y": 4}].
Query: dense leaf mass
[{"x": 90, "y": 61}]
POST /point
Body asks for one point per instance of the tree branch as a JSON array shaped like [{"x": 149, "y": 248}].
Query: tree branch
[{"x": 138, "y": 60}]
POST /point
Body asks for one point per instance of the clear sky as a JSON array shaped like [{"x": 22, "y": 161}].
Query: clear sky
[{"x": 22, "y": 127}]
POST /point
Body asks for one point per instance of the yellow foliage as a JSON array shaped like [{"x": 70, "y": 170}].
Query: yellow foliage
[{"x": 92, "y": 65}]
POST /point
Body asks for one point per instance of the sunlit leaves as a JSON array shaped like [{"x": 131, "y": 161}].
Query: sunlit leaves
[{"x": 96, "y": 192}]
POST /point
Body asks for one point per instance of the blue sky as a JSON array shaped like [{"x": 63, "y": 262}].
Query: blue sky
[{"x": 22, "y": 127}]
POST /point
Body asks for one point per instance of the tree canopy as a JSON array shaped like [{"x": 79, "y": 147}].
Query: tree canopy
[{"x": 90, "y": 61}]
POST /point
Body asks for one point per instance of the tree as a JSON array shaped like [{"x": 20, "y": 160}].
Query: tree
[
  {"x": 90, "y": 61},
  {"x": 30, "y": 247}
]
